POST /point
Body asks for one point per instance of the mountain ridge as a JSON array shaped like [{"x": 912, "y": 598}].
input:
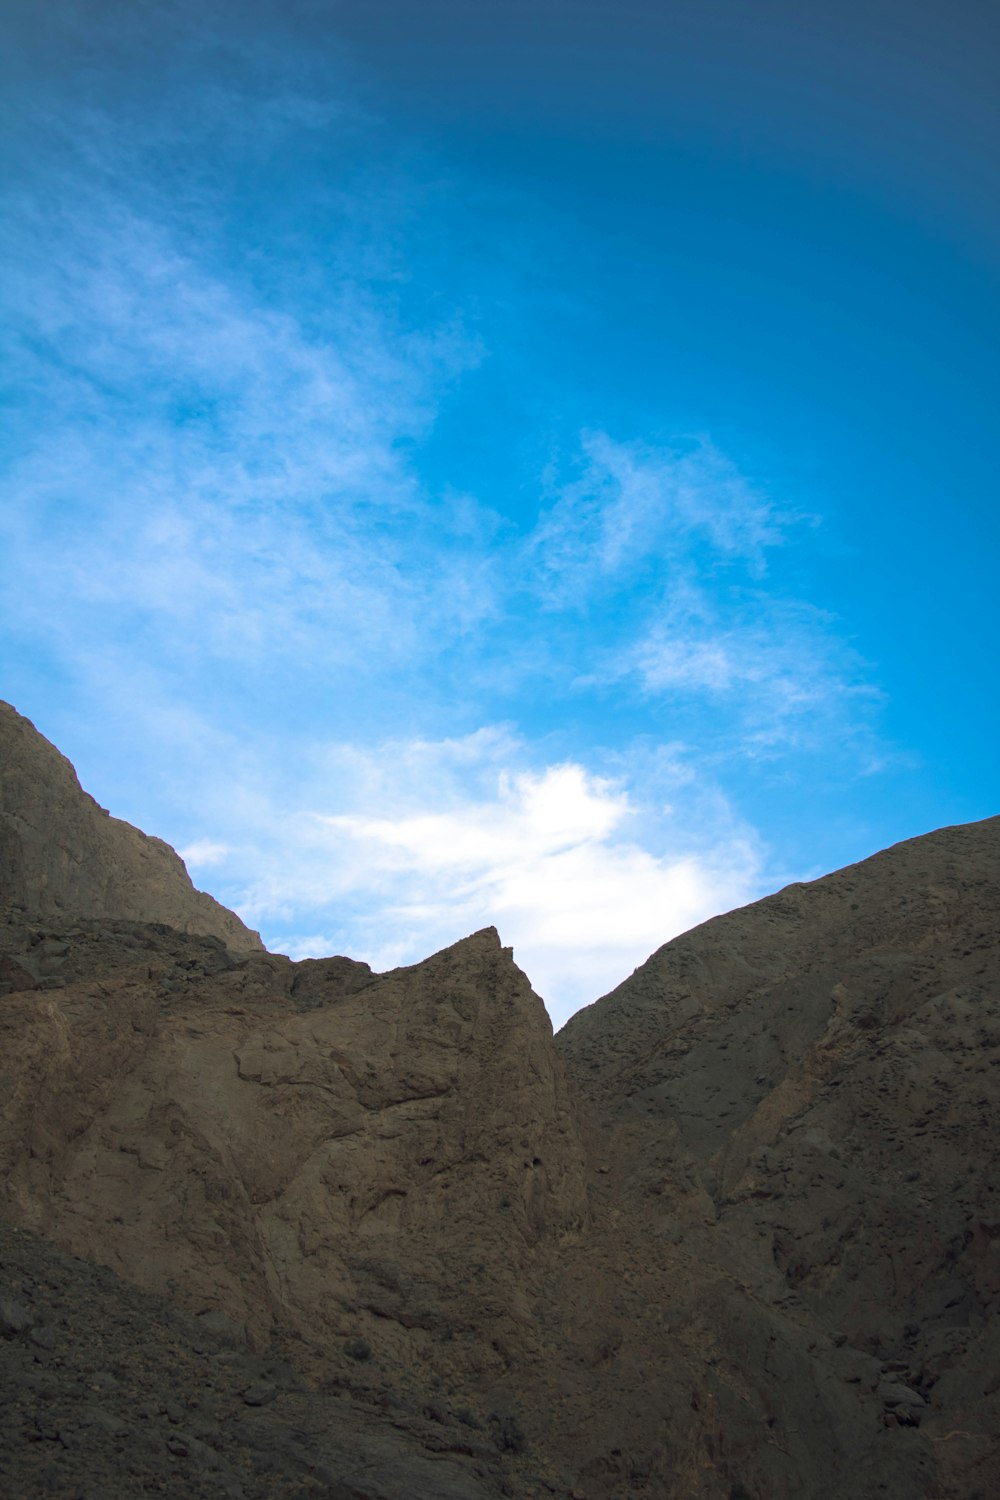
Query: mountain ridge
[
  {"x": 61, "y": 851},
  {"x": 733, "y": 1232}
]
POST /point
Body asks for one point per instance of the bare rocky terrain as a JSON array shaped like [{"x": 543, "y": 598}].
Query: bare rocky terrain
[
  {"x": 302, "y": 1229},
  {"x": 60, "y": 852}
]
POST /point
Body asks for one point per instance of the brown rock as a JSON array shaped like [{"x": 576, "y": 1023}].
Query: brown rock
[
  {"x": 810, "y": 1087},
  {"x": 733, "y": 1233},
  {"x": 60, "y": 853},
  {"x": 383, "y": 1168}
]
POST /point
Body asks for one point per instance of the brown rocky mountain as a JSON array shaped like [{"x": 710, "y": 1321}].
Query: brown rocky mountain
[
  {"x": 300, "y": 1229},
  {"x": 62, "y": 853}
]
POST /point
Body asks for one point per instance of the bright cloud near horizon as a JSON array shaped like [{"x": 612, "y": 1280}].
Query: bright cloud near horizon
[{"x": 463, "y": 467}]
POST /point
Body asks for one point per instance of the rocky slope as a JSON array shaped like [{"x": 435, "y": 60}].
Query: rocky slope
[
  {"x": 733, "y": 1233},
  {"x": 62, "y": 853},
  {"x": 804, "y": 1097},
  {"x": 108, "y": 1393}
]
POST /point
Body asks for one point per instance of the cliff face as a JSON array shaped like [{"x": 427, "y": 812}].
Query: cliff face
[
  {"x": 370, "y": 1174},
  {"x": 62, "y": 853},
  {"x": 734, "y": 1232},
  {"x": 337, "y": 1154}
]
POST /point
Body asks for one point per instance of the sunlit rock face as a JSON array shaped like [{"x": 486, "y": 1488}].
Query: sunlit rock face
[
  {"x": 734, "y": 1232},
  {"x": 62, "y": 853},
  {"x": 341, "y": 1154}
]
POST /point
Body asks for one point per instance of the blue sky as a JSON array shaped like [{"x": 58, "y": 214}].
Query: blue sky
[{"x": 474, "y": 463}]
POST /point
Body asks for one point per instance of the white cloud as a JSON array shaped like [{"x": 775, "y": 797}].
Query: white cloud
[
  {"x": 580, "y": 877},
  {"x": 213, "y": 390},
  {"x": 560, "y": 809},
  {"x": 203, "y": 854}
]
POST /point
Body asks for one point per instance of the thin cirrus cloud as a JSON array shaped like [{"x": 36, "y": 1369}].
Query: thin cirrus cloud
[
  {"x": 203, "y": 854},
  {"x": 227, "y": 474},
  {"x": 638, "y": 504},
  {"x": 208, "y": 462},
  {"x": 775, "y": 668},
  {"x": 233, "y": 507},
  {"x": 709, "y": 631}
]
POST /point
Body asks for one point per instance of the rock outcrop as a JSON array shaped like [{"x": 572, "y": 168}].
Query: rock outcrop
[
  {"x": 733, "y": 1233},
  {"x": 363, "y": 1157},
  {"x": 60, "y": 852}
]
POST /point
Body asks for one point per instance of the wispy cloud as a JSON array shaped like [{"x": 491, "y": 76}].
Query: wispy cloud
[
  {"x": 635, "y": 506},
  {"x": 203, "y": 854},
  {"x": 776, "y": 668},
  {"x": 668, "y": 556},
  {"x": 211, "y": 474}
]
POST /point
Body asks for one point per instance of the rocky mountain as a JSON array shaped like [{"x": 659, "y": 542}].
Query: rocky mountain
[
  {"x": 803, "y": 1098},
  {"x": 300, "y": 1229},
  {"x": 61, "y": 853}
]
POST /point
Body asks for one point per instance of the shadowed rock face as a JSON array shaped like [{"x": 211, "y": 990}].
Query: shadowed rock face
[
  {"x": 62, "y": 853},
  {"x": 112, "y": 1392},
  {"x": 734, "y": 1232},
  {"x": 803, "y": 1098}
]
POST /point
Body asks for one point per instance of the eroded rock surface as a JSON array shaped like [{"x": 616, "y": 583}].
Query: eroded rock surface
[
  {"x": 734, "y": 1233},
  {"x": 62, "y": 853},
  {"x": 803, "y": 1099},
  {"x": 368, "y": 1169},
  {"x": 111, "y": 1393}
]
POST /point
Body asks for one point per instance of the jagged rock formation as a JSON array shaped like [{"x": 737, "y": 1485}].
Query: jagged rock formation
[
  {"x": 352, "y": 1157},
  {"x": 733, "y": 1233},
  {"x": 62, "y": 853}
]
